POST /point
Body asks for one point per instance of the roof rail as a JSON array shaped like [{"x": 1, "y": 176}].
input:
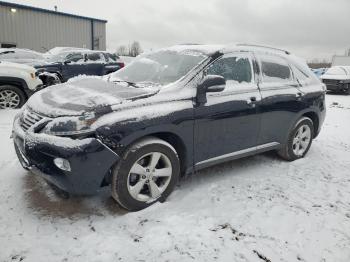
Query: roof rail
[
  {"x": 189, "y": 44},
  {"x": 267, "y": 47}
]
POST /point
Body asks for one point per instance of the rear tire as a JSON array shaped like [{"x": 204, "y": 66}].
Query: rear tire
[
  {"x": 147, "y": 173},
  {"x": 299, "y": 140},
  {"x": 11, "y": 97}
]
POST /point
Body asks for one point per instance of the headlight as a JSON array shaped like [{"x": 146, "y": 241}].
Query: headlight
[
  {"x": 67, "y": 126},
  {"x": 32, "y": 75}
]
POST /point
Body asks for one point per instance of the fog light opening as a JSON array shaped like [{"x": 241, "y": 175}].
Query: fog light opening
[{"x": 62, "y": 164}]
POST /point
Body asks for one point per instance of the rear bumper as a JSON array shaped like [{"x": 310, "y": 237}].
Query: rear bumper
[{"x": 90, "y": 160}]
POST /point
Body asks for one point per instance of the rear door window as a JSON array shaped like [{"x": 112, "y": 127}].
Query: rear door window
[
  {"x": 275, "y": 69},
  {"x": 95, "y": 58}
]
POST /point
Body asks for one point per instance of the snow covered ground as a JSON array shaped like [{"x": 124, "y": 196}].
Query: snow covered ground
[{"x": 256, "y": 209}]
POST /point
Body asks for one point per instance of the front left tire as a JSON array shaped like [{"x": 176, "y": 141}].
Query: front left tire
[
  {"x": 147, "y": 173},
  {"x": 11, "y": 97}
]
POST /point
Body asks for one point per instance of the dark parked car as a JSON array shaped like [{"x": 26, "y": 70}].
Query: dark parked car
[
  {"x": 167, "y": 114},
  {"x": 66, "y": 65}
]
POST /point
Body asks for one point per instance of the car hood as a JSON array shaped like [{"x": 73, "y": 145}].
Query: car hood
[
  {"x": 335, "y": 77},
  {"x": 79, "y": 96},
  {"x": 10, "y": 65}
]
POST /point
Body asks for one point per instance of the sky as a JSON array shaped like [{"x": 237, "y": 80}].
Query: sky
[{"x": 308, "y": 28}]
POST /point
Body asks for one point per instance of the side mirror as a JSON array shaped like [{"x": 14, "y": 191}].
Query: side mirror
[
  {"x": 210, "y": 83},
  {"x": 67, "y": 62},
  {"x": 213, "y": 83}
]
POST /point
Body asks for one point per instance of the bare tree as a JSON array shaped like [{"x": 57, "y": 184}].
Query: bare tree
[
  {"x": 135, "y": 49},
  {"x": 122, "y": 50}
]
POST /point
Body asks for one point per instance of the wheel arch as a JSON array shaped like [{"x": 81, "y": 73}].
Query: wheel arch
[
  {"x": 310, "y": 113},
  {"x": 15, "y": 81},
  {"x": 173, "y": 139},
  {"x": 315, "y": 120},
  {"x": 179, "y": 145},
  {"x": 184, "y": 151}
]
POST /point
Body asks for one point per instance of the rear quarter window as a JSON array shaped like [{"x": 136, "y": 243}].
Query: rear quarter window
[
  {"x": 302, "y": 77},
  {"x": 111, "y": 57}
]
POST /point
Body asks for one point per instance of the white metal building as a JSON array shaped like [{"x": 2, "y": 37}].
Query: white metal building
[
  {"x": 339, "y": 60},
  {"x": 41, "y": 29}
]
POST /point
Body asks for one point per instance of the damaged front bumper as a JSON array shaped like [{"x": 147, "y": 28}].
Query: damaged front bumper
[
  {"x": 90, "y": 160},
  {"x": 337, "y": 85}
]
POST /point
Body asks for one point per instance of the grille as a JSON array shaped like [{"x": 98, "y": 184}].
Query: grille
[
  {"x": 330, "y": 82},
  {"x": 29, "y": 118}
]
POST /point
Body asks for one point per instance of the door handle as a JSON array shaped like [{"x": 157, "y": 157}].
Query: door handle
[
  {"x": 251, "y": 101},
  {"x": 299, "y": 95}
]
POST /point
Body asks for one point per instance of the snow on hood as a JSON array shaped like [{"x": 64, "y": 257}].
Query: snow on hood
[
  {"x": 337, "y": 73},
  {"x": 76, "y": 97},
  {"x": 335, "y": 77},
  {"x": 17, "y": 66}
]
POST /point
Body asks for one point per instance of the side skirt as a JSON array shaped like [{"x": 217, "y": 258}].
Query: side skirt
[{"x": 237, "y": 154}]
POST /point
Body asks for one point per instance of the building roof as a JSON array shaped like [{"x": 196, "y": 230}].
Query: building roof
[{"x": 13, "y": 5}]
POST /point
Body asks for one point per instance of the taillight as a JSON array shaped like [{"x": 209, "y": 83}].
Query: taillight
[{"x": 121, "y": 64}]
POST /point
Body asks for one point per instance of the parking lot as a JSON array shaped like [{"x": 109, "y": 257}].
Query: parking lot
[{"x": 256, "y": 209}]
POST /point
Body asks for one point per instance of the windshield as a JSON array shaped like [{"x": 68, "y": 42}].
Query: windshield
[{"x": 162, "y": 67}]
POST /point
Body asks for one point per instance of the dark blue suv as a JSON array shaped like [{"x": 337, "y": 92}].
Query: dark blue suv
[
  {"x": 169, "y": 113},
  {"x": 72, "y": 63}
]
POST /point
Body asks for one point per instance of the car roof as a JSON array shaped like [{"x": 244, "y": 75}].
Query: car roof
[
  {"x": 212, "y": 49},
  {"x": 84, "y": 51}
]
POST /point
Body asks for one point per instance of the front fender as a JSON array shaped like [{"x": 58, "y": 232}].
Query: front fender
[{"x": 120, "y": 134}]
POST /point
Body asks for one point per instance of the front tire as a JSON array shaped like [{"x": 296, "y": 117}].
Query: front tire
[
  {"x": 11, "y": 97},
  {"x": 147, "y": 173},
  {"x": 299, "y": 140}
]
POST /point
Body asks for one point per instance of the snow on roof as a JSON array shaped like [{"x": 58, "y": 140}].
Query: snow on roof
[
  {"x": 211, "y": 49},
  {"x": 204, "y": 49}
]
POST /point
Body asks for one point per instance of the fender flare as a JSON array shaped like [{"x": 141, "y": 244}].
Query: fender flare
[
  {"x": 16, "y": 81},
  {"x": 296, "y": 119}
]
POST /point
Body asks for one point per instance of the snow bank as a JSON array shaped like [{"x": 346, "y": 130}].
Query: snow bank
[{"x": 245, "y": 210}]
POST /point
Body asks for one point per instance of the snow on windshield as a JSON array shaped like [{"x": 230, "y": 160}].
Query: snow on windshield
[{"x": 162, "y": 67}]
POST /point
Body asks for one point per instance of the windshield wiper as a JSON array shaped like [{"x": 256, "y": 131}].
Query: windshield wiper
[{"x": 128, "y": 82}]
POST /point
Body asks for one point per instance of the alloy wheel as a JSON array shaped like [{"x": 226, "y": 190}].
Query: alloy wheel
[
  {"x": 149, "y": 177},
  {"x": 9, "y": 99},
  {"x": 301, "y": 140}
]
